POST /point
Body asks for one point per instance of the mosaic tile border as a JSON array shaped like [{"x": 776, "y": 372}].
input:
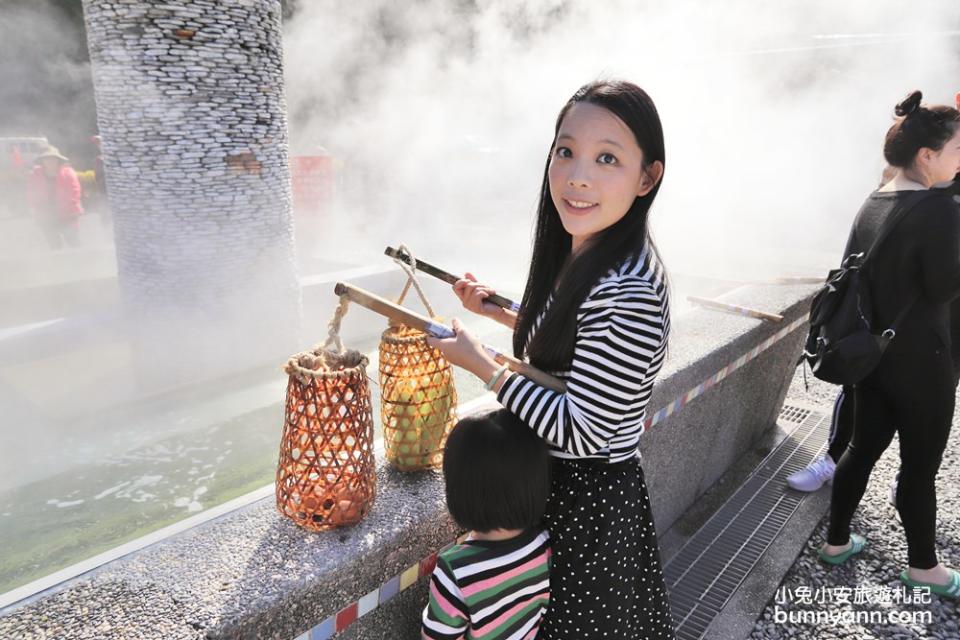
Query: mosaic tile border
[
  {"x": 707, "y": 384},
  {"x": 376, "y": 598}
]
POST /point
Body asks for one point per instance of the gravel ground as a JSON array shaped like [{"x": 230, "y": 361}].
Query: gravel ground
[
  {"x": 103, "y": 612},
  {"x": 870, "y": 577}
]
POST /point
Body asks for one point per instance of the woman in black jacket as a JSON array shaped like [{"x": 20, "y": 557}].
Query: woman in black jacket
[
  {"x": 821, "y": 470},
  {"x": 912, "y": 390}
]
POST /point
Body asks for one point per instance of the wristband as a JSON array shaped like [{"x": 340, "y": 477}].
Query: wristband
[{"x": 496, "y": 376}]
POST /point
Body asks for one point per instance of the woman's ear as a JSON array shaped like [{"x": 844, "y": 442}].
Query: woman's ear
[{"x": 650, "y": 178}]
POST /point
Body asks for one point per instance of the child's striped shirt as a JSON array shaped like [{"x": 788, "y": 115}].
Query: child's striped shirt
[{"x": 490, "y": 589}]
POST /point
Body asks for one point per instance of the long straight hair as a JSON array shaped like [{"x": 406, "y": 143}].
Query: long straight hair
[{"x": 551, "y": 348}]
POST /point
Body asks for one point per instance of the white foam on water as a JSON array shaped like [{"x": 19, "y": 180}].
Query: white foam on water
[
  {"x": 64, "y": 503},
  {"x": 105, "y": 493}
]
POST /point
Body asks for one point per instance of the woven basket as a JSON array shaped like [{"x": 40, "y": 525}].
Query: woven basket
[
  {"x": 326, "y": 475},
  {"x": 418, "y": 400}
]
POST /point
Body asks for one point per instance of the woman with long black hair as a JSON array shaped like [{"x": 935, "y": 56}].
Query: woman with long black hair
[
  {"x": 595, "y": 313},
  {"x": 915, "y": 272}
]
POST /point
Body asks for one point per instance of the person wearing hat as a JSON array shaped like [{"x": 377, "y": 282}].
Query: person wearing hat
[{"x": 53, "y": 192}]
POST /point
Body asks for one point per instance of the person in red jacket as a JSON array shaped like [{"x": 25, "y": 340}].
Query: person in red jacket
[{"x": 53, "y": 192}]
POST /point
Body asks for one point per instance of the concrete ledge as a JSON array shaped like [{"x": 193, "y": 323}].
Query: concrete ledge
[
  {"x": 253, "y": 574},
  {"x": 686, "y": 454}
]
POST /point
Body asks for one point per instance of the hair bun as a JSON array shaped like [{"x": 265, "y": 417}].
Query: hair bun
[{"x": 909, "y": 104}]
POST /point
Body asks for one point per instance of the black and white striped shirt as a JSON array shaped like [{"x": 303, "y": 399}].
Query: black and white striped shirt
[{"x": 622, "y": 330}]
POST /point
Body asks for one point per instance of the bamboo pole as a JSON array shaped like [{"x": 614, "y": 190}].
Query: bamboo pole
[
  {"x": 778, "y": 280},
  {"x": 399, "y": 314},
  {"x": 799, "y": 280},
  {"x": 448, "y": 277},
  {"x": 733, "y": 308}
]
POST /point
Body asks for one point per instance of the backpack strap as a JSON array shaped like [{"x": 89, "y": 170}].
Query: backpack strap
[
  {"x": 898, "y": 214},
  {"x": 891, "y": 332}
]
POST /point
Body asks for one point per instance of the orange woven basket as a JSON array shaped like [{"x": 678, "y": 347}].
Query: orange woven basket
[
  {"x": 418, "y": 400},
  {"x": 326, "y": 475}
]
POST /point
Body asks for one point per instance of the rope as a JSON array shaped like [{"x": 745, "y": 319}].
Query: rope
[
  {"x": 411, "y": 278},
  {"x": 334, "y": 324},
  {"x": 334, "y": 330}
]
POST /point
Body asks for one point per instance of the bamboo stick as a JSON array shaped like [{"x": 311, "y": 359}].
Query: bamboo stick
[
  {"x": 799, "y": 280},
  {"x": 778, "y": 280},
  {"x": 448, "y": 277},
  {"x": 733, "y": 308},
  {"x": 397, "y": 313}
]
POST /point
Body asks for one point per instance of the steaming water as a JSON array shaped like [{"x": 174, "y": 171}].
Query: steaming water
[
  {"x": 440, "y": 115},
  {"x": 100, "y": 472}
]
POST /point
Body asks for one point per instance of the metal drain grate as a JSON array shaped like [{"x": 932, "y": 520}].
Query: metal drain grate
[
  {"x": 710, "y": 567},
  {"x": 794, "y": 414}
]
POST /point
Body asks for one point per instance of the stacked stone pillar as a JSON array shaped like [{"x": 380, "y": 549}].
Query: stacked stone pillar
[{"x": 192, "y": 114}]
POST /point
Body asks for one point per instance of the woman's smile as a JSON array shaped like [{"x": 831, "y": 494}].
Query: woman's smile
[{"x": 579, "y": 207}]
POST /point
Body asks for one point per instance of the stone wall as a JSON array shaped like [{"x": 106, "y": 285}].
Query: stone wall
[{"x": 192, "y": 112}]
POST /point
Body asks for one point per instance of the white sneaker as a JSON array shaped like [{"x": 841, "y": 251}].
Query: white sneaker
[{"x": 814, "y": 475}]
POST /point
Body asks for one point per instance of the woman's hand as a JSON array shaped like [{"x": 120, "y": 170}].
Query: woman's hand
[
  {"x": 465, "y": 351},
  {"x": 473, "y": 296}
]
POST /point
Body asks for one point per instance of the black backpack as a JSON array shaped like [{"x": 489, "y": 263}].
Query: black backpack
[{"x": 843, "y": 345}]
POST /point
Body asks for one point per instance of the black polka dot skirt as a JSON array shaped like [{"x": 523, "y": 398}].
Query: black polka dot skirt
[{"x": 605, "y": 578}]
